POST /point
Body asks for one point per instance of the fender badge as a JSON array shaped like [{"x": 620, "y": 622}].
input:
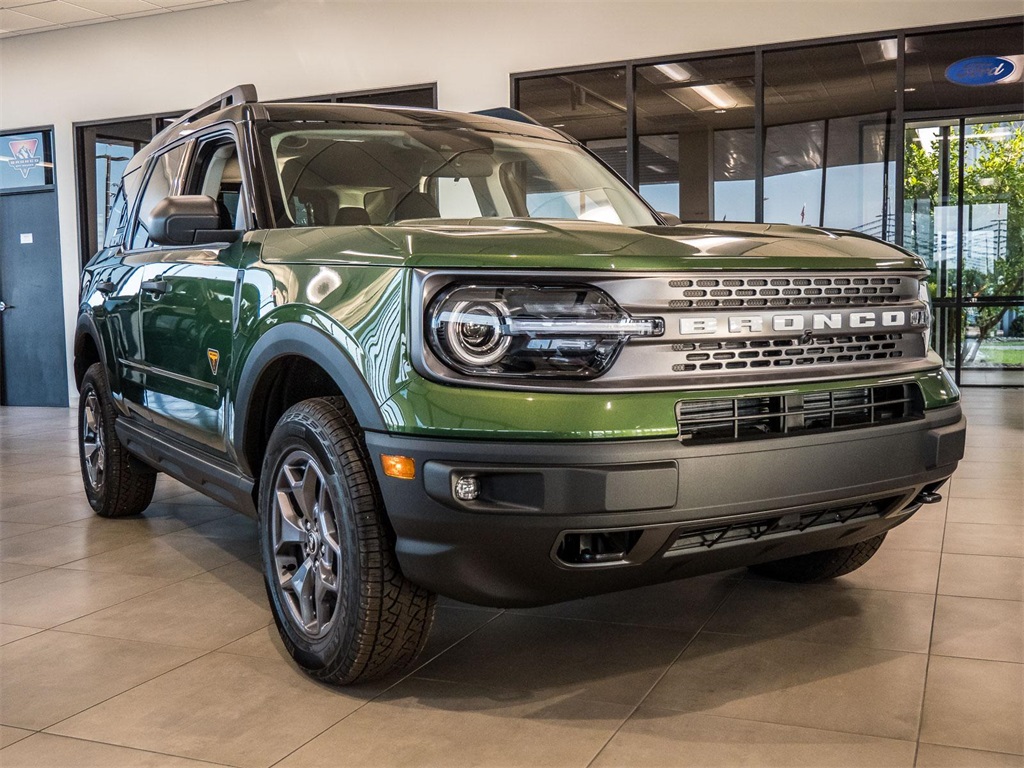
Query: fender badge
[{"x": 214, "y": 357}]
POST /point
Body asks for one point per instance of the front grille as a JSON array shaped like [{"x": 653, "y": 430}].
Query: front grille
[
  {"x": 780, "y": 353},
  {"x": 778, "y": 525},
  {"x": 740, "y": 292},
  {"x": 746, "y": 418}
]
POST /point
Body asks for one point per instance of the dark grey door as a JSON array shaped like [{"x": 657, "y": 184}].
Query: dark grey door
[{"x": 33, "y": 366}]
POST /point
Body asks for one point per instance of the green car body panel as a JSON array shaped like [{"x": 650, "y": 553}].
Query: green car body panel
[{"x": 189, "y": 369}]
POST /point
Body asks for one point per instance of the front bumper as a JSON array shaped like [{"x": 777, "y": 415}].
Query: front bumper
[{"x": 770, "y": 499}]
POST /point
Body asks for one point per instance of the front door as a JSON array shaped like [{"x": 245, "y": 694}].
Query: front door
[
  {"x": 964, "y": 214},
  {"x": 188, "y": 303},
  {"x": 33, "y": 358}
]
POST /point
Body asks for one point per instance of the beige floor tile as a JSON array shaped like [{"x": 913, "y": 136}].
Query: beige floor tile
[
  {"x": 44, "y": 750},
  {"x": 917, "y": 533},
  {"x": 244, "y": 576},
  {"x": 617, "y": 663},
  {"x": 64, "y": 544},
  {"x": 11, "y": 571},
  {"x": 16, "y": 529},
  {"x": 974, "y": 704},
  {"x": 684, "y": 605},
  {"x": 190, "y": 614},
  {"x": 982, "y": 576},
  {"x": 899, "y": 570},
  {"x": 196, "y": 711},
  {"x": 185, "y": 515},
  {"x": 53, "y": 675},
  {"x": 831, "y": 687},
  {"x": 57, "y": 595},
  {"x": 171, "y": 556},
  {"x": 988, "y": 488},
  {"x": 50, "y": 511},
  {"x": 41, "y": 487},
  {"x": 451, "y": 626},
  {"x": 58, "y": 511},
  {"x": 977, "y": 628},
  {"x": 991, "y": 511},
  {"x": 425, "y": 723},
  {"x": 11, "y": 632},
  {"x": 979, "y": 470},
  {"x": 659, "y": 737},
  {"x": 873, "y": 618},
  {"x": 8, "y": 736},
  {"x": 935, "y": 756},
  {"x": 990, "y": 454},
  {"x": 979, "y": 539}
]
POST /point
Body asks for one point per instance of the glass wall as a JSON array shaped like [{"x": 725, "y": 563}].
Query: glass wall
[
  {"x": 914, "y": 137},
  {"x": 695, "y": 121},
  {"x": 829, "y": 156}
]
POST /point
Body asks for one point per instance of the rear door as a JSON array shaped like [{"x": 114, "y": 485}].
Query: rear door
[{"x": 187, "y": 305}]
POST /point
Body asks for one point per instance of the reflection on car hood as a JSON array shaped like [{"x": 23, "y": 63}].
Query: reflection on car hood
[{"x": 568, "y": 244}]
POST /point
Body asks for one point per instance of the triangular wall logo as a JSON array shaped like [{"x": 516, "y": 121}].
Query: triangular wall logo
[{"x": 25, "y": 158}]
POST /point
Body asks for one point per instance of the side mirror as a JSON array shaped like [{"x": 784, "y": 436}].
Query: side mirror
[
  {"x": 670, "y": 219},
  {"x": 188, "y": 220}
]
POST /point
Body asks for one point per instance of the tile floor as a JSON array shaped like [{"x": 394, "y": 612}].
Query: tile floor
[{"x": 147, "y": 642}]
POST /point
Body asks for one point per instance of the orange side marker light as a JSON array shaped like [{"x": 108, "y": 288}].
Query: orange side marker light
[{"x": 401, "y": 467}]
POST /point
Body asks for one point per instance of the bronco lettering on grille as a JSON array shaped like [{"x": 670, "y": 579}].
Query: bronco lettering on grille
[{"x": 753, "y": 324}]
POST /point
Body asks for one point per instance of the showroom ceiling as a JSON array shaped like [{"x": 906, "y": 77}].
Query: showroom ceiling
[{"x": 22, "y": 17}]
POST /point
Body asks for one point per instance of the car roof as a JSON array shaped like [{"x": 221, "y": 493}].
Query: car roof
[{"x": 367, "y": 114}]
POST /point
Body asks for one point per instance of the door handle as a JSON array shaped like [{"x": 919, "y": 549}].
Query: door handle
[
  {"x": 4, "y": 306},
  {"x": 106, "y": 287},
  {"x": 156, "y": 287}
]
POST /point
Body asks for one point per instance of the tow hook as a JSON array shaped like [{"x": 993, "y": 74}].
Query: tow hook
[{"x": 928, "y": 497}]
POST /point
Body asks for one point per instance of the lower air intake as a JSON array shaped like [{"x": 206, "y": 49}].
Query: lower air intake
[{"x": 745, "y": 418}]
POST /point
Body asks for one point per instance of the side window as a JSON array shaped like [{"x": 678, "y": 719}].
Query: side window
[
  {"x": 118, "y": 214},
  {"x": 217, "y": 173},
  {"x": 159, "y": 185}
]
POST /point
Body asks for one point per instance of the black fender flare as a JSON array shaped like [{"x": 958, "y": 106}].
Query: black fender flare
[
  {"x": 295, "y": 339},
  {"x": 86, "y": 326}
]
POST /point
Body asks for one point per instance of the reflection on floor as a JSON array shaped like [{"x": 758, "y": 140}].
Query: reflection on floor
[{"x": 148, "y": 642}]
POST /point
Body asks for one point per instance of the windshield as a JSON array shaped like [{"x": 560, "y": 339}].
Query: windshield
[{"x": 352, "y": 175}]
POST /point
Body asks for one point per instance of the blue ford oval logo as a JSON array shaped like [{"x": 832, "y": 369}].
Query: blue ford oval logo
[{"x": 980, "y": 70}]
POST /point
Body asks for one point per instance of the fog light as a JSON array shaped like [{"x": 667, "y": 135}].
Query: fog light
[
  {"x": 401, "y": 467},
  {"x": 467, "y": 489}
]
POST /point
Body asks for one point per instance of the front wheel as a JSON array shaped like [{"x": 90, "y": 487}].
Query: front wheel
[
  {"x": 116, "y": 483},
  {"x": 818, "y": 566},
  {"x": 342, "y": 606}
]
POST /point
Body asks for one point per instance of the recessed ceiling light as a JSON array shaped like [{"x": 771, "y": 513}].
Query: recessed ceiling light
[{"x": 720, "y": 111}]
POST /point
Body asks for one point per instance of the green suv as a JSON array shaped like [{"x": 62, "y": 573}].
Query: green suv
[{"x": 448, "y": 353}]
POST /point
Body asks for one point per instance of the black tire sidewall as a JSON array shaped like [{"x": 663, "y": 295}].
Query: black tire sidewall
[
  {"x": 91, "y": 384},
  {"x": 299, "y": 431}
]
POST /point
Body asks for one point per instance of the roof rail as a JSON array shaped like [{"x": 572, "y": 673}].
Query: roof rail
[
  {"x": 507, "y": 113},
  {"x": 240, "y": 94}
]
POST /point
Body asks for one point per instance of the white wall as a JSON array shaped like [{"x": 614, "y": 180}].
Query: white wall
[{"x": 295, "y": 47}]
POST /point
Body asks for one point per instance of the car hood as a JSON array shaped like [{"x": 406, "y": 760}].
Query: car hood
[{"x": 559, "y": 244}]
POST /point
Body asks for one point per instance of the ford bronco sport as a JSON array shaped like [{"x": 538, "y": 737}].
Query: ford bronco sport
[{"x": 450, "y": 353}]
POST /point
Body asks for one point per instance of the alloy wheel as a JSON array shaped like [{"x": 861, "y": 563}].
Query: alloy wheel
[
  {"x": 306, "y": 547},
  {"x": 93, "y": 448}
]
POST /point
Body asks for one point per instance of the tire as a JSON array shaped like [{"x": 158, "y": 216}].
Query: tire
[
  {"x": 360, "y": 618},
  {"x": 116, "y": 483},
  {"x": 818, "y": 566}
]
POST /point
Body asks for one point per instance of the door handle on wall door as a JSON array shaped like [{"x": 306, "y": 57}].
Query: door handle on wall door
[{"x": 4, "y": 306}]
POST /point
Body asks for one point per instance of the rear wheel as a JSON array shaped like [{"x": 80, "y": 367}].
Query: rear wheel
[
  {"x": 343, "y": 608},
  {"x": 817, "y": 566},
  {"x": 116, "y": 483}
]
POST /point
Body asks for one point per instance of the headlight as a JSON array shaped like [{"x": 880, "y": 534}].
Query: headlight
[{"x": 530, "y": 331}]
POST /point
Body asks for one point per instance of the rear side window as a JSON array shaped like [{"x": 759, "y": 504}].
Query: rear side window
[{"x": 160, "y": 184}]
